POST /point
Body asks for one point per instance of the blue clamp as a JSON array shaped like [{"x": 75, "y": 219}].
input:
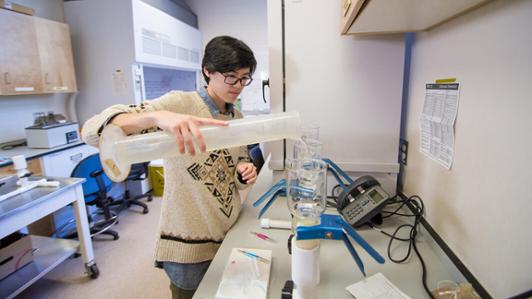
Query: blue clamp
[
  {"x": 338, "y": 170},
  {"x": 279, "y": 189},
  {"x": 333, "y": 227}
]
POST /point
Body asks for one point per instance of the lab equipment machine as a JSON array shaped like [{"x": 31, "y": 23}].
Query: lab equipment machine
[
  {"x": 362, "y": 200},
  {"x": 305, "y": 190},
  {"x": 51, "y": 130},
  {"x": 306, "y": 199},
  {"x": 118, "y": 151}
]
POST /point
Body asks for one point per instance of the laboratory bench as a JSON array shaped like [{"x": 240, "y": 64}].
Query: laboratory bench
[
  {"x": 337, "y": 268},
  {"x": 32, "y": 153},
  {"x": 20, "y": 210},
  {"x": 55, "y": 162}
]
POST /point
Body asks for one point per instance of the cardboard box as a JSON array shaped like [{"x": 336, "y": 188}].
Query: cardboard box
[
  {"x": 5, "y": 4},
  {"x": 15, "y": 253}
]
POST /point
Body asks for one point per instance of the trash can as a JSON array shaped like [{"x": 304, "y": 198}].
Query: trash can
[{"x": 156, "y": 175}]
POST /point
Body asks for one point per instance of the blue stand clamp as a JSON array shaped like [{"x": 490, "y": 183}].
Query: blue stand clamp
[
  {"x": 279, "y": 189},
  {"x": 333, "y": 227}
]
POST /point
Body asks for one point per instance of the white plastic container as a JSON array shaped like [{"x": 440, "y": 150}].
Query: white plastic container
[{"x": 118, "y": 151}]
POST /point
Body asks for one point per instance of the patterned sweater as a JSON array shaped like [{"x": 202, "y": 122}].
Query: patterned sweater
[{"x": 201, "y": 201}]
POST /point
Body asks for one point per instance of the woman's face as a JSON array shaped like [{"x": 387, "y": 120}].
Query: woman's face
[{"x": 220, "y": 84}]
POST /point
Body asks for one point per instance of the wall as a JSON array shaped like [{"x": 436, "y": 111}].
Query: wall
[
  {"x": 16, "y": 112},
  {"x": 243, "y": 19},
  {"x": 481, "y": 207}
]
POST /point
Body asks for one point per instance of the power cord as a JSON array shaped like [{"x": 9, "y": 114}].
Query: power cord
[
  {"x": 416, "y": 205},
  {"x": 332, "y": 200}
]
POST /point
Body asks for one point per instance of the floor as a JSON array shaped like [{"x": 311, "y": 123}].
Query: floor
[{"x": 126, "y": 265}]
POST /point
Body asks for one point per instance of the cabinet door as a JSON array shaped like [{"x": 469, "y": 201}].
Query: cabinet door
[
  {"x": 61, "y": 164},
  {"x": 55, "y": 51},
  {"x": 19, "y": 56}
]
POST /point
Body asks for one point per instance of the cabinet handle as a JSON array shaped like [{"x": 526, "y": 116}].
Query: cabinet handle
[
  {"x": 6, "y": 78},
  {"x": 76, "y": 158}
]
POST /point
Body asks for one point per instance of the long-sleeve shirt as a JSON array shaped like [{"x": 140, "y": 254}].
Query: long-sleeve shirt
[{"x": 200, "y": 201}]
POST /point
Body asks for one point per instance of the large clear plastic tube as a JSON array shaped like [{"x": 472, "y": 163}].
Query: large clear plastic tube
[{"x": 118, "y": 152}]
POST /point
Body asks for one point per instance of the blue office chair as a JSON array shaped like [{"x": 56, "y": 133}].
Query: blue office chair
[
  {"x": 138, "y": 172},
  {"x": 95, "y": 190}
]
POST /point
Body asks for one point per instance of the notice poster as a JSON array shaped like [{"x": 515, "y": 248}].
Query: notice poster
[{"x": 437, "y": 122}]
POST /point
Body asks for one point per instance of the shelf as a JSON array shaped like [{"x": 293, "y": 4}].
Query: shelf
[
  {"x": 383, "y": 16},
  {"x": 49, "y": 253}
]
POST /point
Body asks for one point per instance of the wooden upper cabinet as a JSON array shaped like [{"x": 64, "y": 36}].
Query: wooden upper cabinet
[
  {"x": 19, "y": 55},
  {"x": 35, "y": 55},
  {"x": 55, "y": 53},
  {"x": 385, "y": 16}
]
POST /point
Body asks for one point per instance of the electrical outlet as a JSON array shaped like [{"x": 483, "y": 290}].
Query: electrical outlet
[{"x": 403, "y": 150}]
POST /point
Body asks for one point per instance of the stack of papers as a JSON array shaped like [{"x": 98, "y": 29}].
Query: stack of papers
[
  {"x": 246, "y": 274},
  {"x": 376, "y": 287}
]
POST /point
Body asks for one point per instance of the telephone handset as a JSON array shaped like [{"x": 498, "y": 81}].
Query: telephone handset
[{"x": 362, "y": 200}]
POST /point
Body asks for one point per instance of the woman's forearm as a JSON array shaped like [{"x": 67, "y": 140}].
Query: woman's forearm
[{"x": 135, "y": 122}]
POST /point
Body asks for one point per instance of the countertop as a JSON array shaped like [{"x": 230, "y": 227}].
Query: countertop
[
  {"x": 30, "y": 153},
  {"x": 338, "y": 269},
  {"x": 34, "y": 196}
]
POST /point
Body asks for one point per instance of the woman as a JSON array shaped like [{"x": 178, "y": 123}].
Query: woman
[{"x": 200, "y": 201}]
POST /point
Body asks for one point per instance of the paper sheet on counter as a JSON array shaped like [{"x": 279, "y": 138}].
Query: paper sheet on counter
[
  {"x": 245, "y": 277},
  {"x": 376, "y": 287}
]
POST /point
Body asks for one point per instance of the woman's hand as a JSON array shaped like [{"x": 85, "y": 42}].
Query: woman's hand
[
  {"x": 248, "y": 172},
  {"x": 185, "y": 128}
]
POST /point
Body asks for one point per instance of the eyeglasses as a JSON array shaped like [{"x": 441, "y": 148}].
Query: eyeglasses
[{"x": 232, "y": 80}]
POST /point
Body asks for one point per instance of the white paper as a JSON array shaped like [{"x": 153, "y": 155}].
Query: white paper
[
  {"x": 437, "y": 122},
  {"x": 119, "y": 83},
  {"x": 376, "y": 287},
  {"x": 244, "y": 276}
]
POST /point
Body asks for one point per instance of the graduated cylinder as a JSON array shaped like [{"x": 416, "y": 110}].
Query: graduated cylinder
[{"x": 118, "y": 151}]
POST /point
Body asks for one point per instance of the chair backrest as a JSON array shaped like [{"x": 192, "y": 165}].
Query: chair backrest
[
  {"x": 84, "y": 169},
  {"x": 255, "y": 154},
  {"x": 138, "y": 171}
]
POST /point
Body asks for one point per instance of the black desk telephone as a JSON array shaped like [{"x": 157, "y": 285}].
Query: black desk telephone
[{"x": 362, "y": 200}]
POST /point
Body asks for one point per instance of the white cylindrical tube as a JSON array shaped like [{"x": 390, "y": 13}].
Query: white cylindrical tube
[
  {"x": 20, "y": 165},
  {"x": 274, "y": 223},
  {"x": 118, "y": 152},
  {"x": 305, "y": 271},
  {"x": 19, "y": 162},
  {"x": 147, "y": 147}
]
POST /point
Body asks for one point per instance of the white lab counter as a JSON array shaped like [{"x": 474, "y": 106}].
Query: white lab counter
[
  {"x": 338, "y": 269},
  {"x": 25, "y": 208},
  {"x": 31, "y": 153}
]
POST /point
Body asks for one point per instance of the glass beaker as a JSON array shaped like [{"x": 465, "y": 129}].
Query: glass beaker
[
  {"x": 305, "y": 188},
  {"x": 309, "y": 143},
  {"x": 306, "y": 194},
  {"x": 310, "y": 149},
  {"x": 310, "y": 131}
]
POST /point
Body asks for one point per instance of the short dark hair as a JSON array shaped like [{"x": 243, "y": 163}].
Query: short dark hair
[{"x": 226, "y": 54}]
